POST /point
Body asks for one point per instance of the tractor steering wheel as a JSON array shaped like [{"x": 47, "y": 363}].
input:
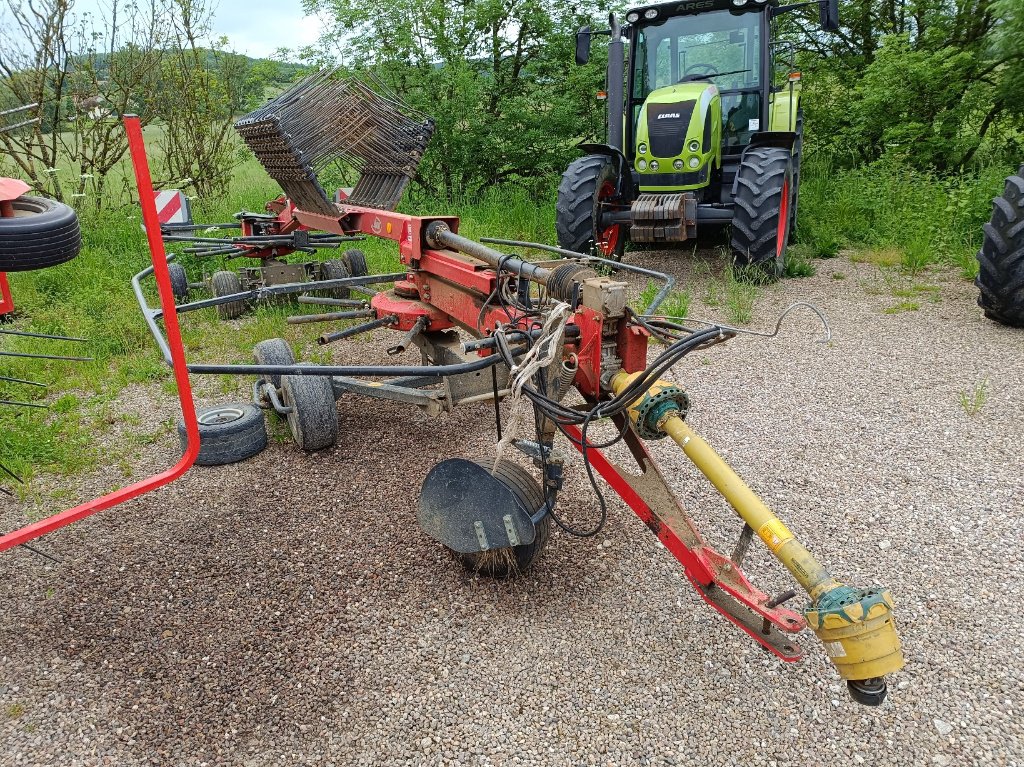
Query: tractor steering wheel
[{"x": 689, "y": 72}]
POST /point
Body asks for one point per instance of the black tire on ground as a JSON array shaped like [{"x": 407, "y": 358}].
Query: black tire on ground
[
  {"x": 224, "y": 284},
  {"x": 335, "y": 270},
  {"x": 584, "y": 184},
  {"x": 313, "y": 421},
  {"x": 509, "y": 562},
  {"x": 179, "y": 281},
  {"x": 798, "y": 150},
  {"x": 355, "y": 260},
  {"x": 273, "y": 351},
  {"x": 760, "y": 224},
  {"x": 1001, "y": 258},
  {"x": 41, "y": 233},
  {"x": 227, "y": 434}
]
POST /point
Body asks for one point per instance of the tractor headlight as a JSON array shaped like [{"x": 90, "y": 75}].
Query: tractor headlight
[
  {"x": 642, "y": 165},
  {"x": 633, "y": 17},
  {"x": 738, "y": 3},
  {"x": 652, "y": 13},
  {"x": 694, "y": 162},
  {"x": 694, "y": 145},
  {"x": 642, "y": 149},
  {"x": 677, "y": 164},
  {"x": 654, "y": 164}
]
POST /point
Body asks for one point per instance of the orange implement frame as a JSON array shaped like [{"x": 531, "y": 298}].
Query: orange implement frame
[{"x": 163, "y": 280}]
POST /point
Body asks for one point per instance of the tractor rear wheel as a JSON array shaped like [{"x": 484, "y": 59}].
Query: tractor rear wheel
[
  {"x": 798, "y": 150},
  {"x": 587, "y": 183},
  {"x": 510, "y": 562},
  {"x": 1001, "y": 258},
  {"x": 225, "y": 284},
  {"x": 761, "y": 221}
]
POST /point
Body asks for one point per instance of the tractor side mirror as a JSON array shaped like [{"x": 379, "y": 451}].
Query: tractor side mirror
[
  {"x": 583, "y": 45},
  {"x": 828, "y": 13}
]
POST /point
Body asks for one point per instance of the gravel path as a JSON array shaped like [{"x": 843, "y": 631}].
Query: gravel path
[{"x": 287, "y": 610}]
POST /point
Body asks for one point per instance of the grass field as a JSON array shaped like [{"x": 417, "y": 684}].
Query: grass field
[{"x": 899, "y": 220}]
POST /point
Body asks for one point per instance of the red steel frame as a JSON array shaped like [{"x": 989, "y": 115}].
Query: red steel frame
[
  {"x": 457, "y": 285},
  {"x": 163, "y": 281}
]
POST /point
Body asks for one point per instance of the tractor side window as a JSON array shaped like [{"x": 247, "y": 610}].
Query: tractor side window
[{"x": 663, "y": 64}]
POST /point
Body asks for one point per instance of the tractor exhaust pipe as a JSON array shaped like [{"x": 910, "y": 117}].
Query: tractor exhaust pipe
[{"x": 616, "y": 78}]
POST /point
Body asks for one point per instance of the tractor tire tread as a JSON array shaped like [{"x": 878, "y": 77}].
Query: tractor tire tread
[{"x": 1000, "y": 277}]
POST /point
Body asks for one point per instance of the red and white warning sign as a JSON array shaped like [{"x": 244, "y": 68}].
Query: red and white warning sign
[{"x": 172, "y": 207}]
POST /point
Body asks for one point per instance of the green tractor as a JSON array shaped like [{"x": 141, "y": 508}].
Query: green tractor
[{"x": 698, "y": 133}]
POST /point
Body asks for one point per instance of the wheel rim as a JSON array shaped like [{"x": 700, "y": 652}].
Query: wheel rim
[
  {"x": 608, "y": 240},
  {"x": 780, "y": 236},
  {"x": 220, "y": 415}
]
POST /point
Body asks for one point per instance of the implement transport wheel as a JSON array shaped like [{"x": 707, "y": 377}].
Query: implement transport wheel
[
  {"x": 510, "y": 562},
  {"x": 313, "y": 420},
  {"x": 335, "y": 270},
  {"x": 224, "y": 284},
  {"x": 273, "y": 351},
  {"x": 1001, "y": 258},
  {"x": 587, "y": 183},
  {"x": 227, "y": 434},
  {"x": 41, "y": 233},
  {"x": 179, "y": 281},
  {"x": 355, "y": 260},
  {"x": 761, "y": 220}
]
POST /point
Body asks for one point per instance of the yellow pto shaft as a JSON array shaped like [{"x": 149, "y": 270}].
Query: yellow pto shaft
[{"x": 855, "y": 625}]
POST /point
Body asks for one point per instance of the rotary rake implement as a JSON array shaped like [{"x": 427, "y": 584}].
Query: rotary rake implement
[{"x": 566, "y": 342}]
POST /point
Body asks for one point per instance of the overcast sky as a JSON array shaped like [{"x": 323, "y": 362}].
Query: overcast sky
[{"x": 254, "y": 27}]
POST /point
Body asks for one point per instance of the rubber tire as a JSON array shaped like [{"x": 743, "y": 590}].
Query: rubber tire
[
  {"x": 762, "y": 175},
  {"x": 273, "y": 351},
  {"x": 355, "y": 260},
  {"x": 798, "y": 150},
  {"x": 313, "y": 421},
  {"x": 224, "y": 284},
  {"x": 335, "y": 270},
  {"x": 179, "y": 281},
  {"x": 529, "y": 492},
  {"x": 577, "y": 205},
  {"x": 1001, "y": 258},
  {"x": 231, "y": 441},
  {"x": 48, "y": 235}
]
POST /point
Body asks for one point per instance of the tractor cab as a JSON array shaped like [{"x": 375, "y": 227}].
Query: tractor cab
[{"x": 699, "y": 109}]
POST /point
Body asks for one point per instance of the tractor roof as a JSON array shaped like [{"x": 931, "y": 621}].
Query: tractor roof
[{"x": 686, "y": 7}]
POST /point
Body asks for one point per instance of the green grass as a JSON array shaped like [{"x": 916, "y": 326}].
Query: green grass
[
  {"x": 903, "y": 217},
  {"x": 973, "y": 401}
]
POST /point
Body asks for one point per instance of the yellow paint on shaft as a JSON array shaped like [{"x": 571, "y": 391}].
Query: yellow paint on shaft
[{"x": 814, "y": 578}]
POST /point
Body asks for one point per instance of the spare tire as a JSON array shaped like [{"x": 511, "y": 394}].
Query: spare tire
[
  {"x": 41, "y": 233},
  {"x": 227, "y": 434}
]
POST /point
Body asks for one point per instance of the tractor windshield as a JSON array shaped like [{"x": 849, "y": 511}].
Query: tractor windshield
[{"x": 717, "y": 47}]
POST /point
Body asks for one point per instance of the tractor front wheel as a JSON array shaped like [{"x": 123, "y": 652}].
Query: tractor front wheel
[
  {"x": 587, "y": 186},
  {"x": 761, "y": 220},
  {"x": 1001, "y": 258}
]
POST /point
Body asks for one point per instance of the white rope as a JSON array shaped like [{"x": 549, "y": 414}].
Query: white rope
[{"x": 544, "y": 349}]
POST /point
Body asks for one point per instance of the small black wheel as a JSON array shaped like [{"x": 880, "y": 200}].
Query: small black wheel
[
  {"x": 760, "y": 223},
  {"x": 313, "y": 420},
  {"x": 227, "y": 434},
  {"x": 224, "y": 284},
  {"x": 355, "y": 260},
  {"x": 1001, "y": 258},
  {"x": 587, "y": 183},
  {"x": 179, "y": 282},
  {"x": 335, "y": 270},
  {"x": 867, "y": 692},
  {"x": 273, "y": 351},
  {"x": 510, "y": 562},
  {"x": 41, "y": 233}
]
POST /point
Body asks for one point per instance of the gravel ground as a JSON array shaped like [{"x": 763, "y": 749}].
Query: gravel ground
[{"x": 287, "y": 610}]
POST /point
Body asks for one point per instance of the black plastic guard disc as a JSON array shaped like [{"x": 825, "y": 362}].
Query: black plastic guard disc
[{"x": 465, "y": 507}]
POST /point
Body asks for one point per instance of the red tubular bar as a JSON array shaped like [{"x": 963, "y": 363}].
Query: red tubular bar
[
  {"x": 6, "y": 300},
  {"x": 163, "y": 280}
]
